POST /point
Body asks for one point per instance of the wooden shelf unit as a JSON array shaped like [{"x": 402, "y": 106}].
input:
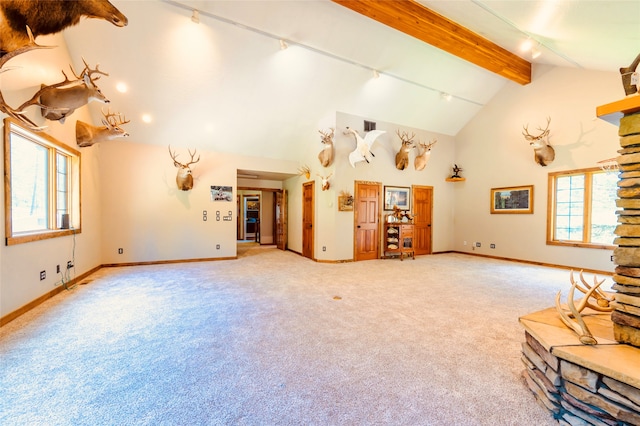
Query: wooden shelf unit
[{"x": 398, "y": 240}]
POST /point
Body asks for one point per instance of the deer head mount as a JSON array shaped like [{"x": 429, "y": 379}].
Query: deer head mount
[
  {"x": 326, "y": 155},
  {"x": 184, "y": 178},
  {"x": 402, "y": 157},
  {"x": 304, "y": 171},
  {"x": 543, "y": 152},
  {"x": 325, "y": 181},
  {"x": 87, "y": 135},
  {"x": 424, "y": 153},
  {"x": 49, "y": 17},
  {"x": 62, "y": 99}
]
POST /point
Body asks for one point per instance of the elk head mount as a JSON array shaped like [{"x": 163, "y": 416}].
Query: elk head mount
[
  {"x": 49, "y": 17},
  {"x": 544, "y": 154},
  {"x": 87, "y": 135},
  {"x": 424, "y": 153},
  {"x": 402, "y": 157},
  {"x": 326, "y": 155},
  {"x": 184, "y": 178}
]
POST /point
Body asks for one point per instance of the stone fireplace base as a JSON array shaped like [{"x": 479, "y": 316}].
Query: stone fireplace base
[{"x": 580, "y": 384}]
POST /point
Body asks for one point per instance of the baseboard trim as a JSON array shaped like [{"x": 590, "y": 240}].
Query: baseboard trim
[
  {"x": 26, "y": 308},
  {"x": 165, "y": 262},
  {"x": 531, "y": 262}
]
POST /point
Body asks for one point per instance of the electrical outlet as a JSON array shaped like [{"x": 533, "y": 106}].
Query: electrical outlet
[
  {"x": 57, "y": 269},
  {"x": 478, "y": 245},
  {"x": 324, "y": 248},
  {"x": 43, "y": 275},
  {"x": 492, "y": 246},
  {"x": 120, "y": 251},
  {"x": 217, "y": 246},
  {"x": 69, "y": 265},
  {"x": 464, "y": 243}
]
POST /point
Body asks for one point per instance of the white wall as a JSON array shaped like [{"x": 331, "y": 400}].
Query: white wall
[
  {"x": 20, "y": 265},
  {"x": 146, "y": 215},
  {"x": 335, "y": 229},
  {"x": 493, "y": 153}
]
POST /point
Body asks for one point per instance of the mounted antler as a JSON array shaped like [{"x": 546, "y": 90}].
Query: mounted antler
[
  {"x": 326, "y": 155},
  {"x": 402, "y": 157},
  {"x": 19, "y": 114},
  {"x": 304, "y": 170},
  {"x": 87, "y": 135},
  {"x": 578, "y": 325},
  {"x": 184, "y": 178},
  {"x": 424, "y": 153},
  {"x": 325, "y": 181},
  {"x": 544, "y": 153},
  {"x": 62, "y": 99}
]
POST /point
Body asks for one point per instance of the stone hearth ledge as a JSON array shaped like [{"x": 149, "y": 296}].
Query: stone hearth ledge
[{"x": 610, "y": 358}]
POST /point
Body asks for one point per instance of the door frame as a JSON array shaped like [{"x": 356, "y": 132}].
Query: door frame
[
  {"x": 312, "y": 184},
  {"x": 413, "y": 188},
  {"x": 355, "y": 219}
]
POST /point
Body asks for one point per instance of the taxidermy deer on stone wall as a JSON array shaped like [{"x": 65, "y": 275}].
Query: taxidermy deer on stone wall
[
  {"x": 48, "y": 17},
  {"x": 424, "y": 153},
  {"x": 87, "y": 135},
  {"x": 402, "y": 157},
  {"x": 60, "y": 100},
  {"x": 544, "y": 153},
  {"x": 326, "y": 155},
  {"x": 184, "y": 178}
]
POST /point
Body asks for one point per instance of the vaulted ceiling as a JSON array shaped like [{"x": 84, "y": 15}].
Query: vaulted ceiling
[{"x": 225, "y": 84}]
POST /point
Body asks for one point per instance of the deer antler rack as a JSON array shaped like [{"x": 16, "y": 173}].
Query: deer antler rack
[
  {"x": 4, "y": 107},
  {"x": 577, "y": 324}
]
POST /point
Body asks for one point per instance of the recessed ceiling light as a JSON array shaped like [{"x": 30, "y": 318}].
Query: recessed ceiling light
[
  {"x": 147, "y": 118},
  {"x": 122, "y": 87}
]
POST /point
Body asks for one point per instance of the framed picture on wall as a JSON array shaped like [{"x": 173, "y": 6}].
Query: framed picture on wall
[
  {"x": 221, "y": 193},
  {"x": 399, "y": 196},
  {"x": 514, "y": 199}
]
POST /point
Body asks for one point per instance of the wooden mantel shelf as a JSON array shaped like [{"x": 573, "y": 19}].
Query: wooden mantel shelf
[{"x": 614, "y": 111}]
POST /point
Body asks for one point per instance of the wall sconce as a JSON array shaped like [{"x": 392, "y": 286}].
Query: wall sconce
[
  {"x": 447, "y": 97},
  {"x": 195, "y": 17},
  {"x": 283, "y": 44},
  {"x": 376, "y": 74}
]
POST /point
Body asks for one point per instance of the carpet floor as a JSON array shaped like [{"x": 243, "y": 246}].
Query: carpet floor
[{"x": 273, "y": 338}]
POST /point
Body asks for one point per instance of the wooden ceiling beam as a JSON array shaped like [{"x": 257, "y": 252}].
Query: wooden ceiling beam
[{"x": 412, "y": 18}]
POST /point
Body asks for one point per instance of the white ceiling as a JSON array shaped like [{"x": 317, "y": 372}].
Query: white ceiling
[{"x": 225, "y": 85}]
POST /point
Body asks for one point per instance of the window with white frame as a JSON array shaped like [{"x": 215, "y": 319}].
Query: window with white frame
[
  {"x": 42, "y": 190},
  {"x": 582, "y": 208}
]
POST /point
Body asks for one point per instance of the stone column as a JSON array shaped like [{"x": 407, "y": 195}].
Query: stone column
[{"x": 626, "y": 316}]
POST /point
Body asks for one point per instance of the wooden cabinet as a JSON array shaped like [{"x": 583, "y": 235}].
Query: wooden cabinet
[{"x": 398, "y": 240}]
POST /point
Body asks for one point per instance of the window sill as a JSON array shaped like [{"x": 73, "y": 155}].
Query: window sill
[
  {"x": 581, "y": 245},
  {"x": 40, "y": 235}
]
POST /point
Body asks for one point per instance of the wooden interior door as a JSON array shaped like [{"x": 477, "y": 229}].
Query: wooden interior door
[
  {"x": 308, "y": 189},
  {"x": 367, "y": 220},
  {"x": 423, "y": 212},
  {"x": 281, "y": 219}
]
